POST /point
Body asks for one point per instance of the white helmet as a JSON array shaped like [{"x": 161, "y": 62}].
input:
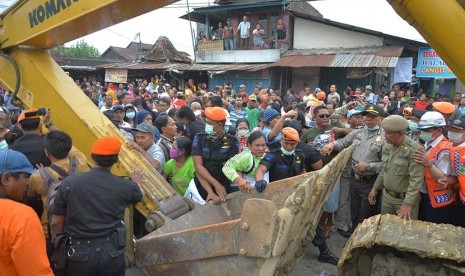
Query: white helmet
[{"x": 431, "y": 119}]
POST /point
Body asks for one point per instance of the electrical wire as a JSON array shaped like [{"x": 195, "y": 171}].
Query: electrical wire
[{"x": 18, "y": 76}]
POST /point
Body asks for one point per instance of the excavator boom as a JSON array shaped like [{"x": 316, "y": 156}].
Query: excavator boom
[
  {"x": 441, "y": 24},
  {"x": 48, "y": 23},
  {"x": 26, "y": 30}
]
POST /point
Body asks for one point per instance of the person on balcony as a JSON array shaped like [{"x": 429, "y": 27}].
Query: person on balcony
[
  {"x": 281, "y": 29},
  {"x": 258, "y": 34},
  {"x": 244, "y": 30},
  {"x": 218, "y": 33},
  {"x": 229, "y": 36},
  {"x": 200, "y": 38}
]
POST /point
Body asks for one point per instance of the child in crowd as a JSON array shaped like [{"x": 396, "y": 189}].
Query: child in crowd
[{"x": 242, "y": 127}]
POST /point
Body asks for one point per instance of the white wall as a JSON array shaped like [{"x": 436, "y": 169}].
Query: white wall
[{"x": 309, "y": 34}]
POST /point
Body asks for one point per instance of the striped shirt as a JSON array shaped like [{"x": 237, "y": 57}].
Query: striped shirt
[{"x": 241, "y": 162}]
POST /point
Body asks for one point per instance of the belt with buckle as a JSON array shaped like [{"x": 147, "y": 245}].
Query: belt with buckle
[
  {"x": 395, "y": 194},
  {"x": 79, "y": 241},
  {"x": 359, "y": 177}
]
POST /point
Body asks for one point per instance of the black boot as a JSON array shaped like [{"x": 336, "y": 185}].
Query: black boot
[
  {"x": 326, "y": 256},
  {"x": 345, "y": 234}
]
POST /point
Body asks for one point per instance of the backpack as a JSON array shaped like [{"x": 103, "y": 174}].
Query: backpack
[{"x": 52, "y": 184}]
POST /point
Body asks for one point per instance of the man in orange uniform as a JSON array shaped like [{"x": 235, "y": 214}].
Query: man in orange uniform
[
  {"x": 457, "y": 153},
  {"x": 22, "y": 240},
  {"x": 436, "y": 196}
]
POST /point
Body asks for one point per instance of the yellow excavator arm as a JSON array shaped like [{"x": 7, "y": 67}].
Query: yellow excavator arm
[
  {"x": 441, "y": 24},
  {"x": 27, "y": 29}
]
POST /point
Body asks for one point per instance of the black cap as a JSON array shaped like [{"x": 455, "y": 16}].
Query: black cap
[
  {"x": 116, "y": 107},
  {"x": 129, "y": 106},
  {"x": 459, "y": 123},
  {"x": 373, "y": 110},
  {"x": 418, "y": 112}
]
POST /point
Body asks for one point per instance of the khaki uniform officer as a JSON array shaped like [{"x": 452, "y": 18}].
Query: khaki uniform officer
[
  {"x": 401, "y": 177},
  {"x": 366, "y": 162}
]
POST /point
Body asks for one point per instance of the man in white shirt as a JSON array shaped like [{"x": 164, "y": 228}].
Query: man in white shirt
[
  {"x": 369, "y": 96},
  {"x": 244, "y": 30},
  {"x": 333, "y": 94},
  {"x": 108, "y": 99}
]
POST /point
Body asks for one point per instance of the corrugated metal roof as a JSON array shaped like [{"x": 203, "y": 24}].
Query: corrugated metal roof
[
  {"x": 341, "y": 60},
  {"x": 349, "y": 60},
  {"x": 376, "y": 56},
  {"x": 386, "y": 51},
  {"x": 186, "y": 67},
  {"x": 136, "y": 66},
  {"x": 248, "y": 5}
]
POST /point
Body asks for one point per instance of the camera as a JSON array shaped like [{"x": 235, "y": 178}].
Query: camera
[{"x": 41, "y": 111}]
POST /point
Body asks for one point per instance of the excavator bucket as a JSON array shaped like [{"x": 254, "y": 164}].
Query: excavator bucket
[
  {"x": 254, "y": 234},
  {"x": 387, "y": 245}
]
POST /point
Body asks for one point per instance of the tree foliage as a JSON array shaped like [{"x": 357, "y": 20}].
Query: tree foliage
[{"x": 80, "y": 49}]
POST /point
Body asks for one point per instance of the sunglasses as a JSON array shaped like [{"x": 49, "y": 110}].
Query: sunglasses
[{"x": 323, "y": 116}]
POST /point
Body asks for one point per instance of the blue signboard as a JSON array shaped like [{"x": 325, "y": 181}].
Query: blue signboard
[{"x": 430, "y": 65}]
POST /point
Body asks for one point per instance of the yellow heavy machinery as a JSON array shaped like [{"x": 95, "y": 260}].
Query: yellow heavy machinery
[
  {"x": 27, "y": 30},
  {"x": 258, "y": 234}
]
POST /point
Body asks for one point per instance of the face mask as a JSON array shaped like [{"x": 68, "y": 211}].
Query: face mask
[
  {"x": 242, "y": 132},
  {"x": 376, "y": 127},
  {"x": 426, "y": 136},
  {"x": 131, "y": 115},
  {"x": 413, "y": 126},
  {"x": 3, "y": 145},
  {"x": 455, "y": 137},
  {"x": 287, "y": 153},
  {"x": 209, "y": 130},
  {"x": 174, "y": 153}
]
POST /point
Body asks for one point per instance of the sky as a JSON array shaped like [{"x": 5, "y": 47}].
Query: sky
[{"x": 376, "y": 15}]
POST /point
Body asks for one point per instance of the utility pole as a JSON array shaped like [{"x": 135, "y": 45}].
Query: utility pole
[{"x": 190, "y": 23}]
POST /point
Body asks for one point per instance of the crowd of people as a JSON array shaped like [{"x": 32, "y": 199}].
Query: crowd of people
[{"x": 409, "y": 161}]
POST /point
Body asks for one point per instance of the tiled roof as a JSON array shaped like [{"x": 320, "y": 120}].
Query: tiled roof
[
  {"x": 164, "y": 51},
  {"x": 124, "y": 53},
  {"x": 143, "y": 46},
  {"x": 73, "y": 61}
]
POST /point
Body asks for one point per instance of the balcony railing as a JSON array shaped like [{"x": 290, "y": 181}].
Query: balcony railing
[{"x": 213, "y": 51}]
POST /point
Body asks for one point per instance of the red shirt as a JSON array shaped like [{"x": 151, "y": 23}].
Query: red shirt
[{"x": 420, "y": 105}]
